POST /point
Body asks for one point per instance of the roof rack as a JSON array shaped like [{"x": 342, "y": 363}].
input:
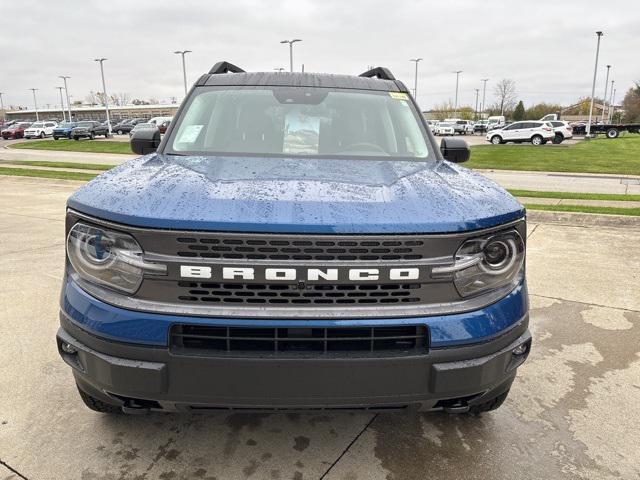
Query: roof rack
[
  {"x": 225, "y": 67},
  {"x": 379, "y": 72}
]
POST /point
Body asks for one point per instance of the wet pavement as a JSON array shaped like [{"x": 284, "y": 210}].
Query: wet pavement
[{"x": 573, "y": 412}]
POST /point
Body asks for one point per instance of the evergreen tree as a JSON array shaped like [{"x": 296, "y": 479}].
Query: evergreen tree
[{"x": 518, "y": 113}]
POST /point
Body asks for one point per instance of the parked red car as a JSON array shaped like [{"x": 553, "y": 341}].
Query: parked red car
[{"x": 15, "y": 131}]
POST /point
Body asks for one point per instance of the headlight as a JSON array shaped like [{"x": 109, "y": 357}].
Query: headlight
[
  {"x": 486, "y": 263},
  {"x": 108, "y": 258}
]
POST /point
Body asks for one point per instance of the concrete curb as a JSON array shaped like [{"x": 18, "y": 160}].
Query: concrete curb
[{"x": 583, "y": 219}]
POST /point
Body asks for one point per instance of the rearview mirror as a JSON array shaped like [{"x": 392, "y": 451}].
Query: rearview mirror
[
  {"x": 455, "y": 150},
  {"x": 145, "y": 141}
]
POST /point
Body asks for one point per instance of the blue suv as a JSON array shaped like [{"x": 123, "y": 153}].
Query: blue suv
[
  {"x": 295, "y": 241},
  {"x": 63, "y": 130}
]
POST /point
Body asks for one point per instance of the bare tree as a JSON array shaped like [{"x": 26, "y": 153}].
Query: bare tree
[
  {"x": 95, "y": 98},
  {"x": 505, "y": 91},
  {"x": 120, "y": 99}
]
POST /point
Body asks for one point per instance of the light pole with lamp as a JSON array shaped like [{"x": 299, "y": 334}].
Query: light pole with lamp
[
  {"x": 66, "y": 91},
  {"x": 593, "y": 86},
  {"x": 455, "y": 105},
  {"x": 35, "y": 103},
  {"x": 104, "y": 91},
  {"x": 604, "y": 99},
  {"x": 415, "y": 78},
  {"x": 62, "y": 104},
  {"x": 291, "y": 42},
  {"x": 184, "y": 68}
]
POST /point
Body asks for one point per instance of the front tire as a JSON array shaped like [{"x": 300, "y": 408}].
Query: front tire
[
  {"x": 92, "y": 136},
  {"x": 42, "y": 135},
  {"x": 55, "y": 138},
  {"x": 98, "y": 405},
  {"x": 558, "y": 139},
  {"x": 119, "y": 132},
  {"x": 496, "y": 140},
  {"x": 76, "y": 138},
  {"x": 537, "y": 140}
]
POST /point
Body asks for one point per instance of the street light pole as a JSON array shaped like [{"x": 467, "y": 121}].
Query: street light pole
[
  {"x": 604, "y": 99},
  {"x": 613, "y": 104},
  {"x": 484, "y": 94},
  {"x": 415, "y": 78},
  {"x": 475, "y": 113},
  {"x": 593, "y": 86},
  {"x": 184, "y": 68},
  {"x": 291, "y": 42},
  {"x": 457, "y": 72},
  {"x": 613, "y": 82},
  {"x": 35, "y": 102},
  {"x": 104, "y": 91},
  {"x": 62, "y": 104},
  {"x": 66, "y": 91}
]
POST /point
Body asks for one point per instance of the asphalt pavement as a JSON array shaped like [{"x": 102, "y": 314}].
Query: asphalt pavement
[{"x": 573, "y": 412}]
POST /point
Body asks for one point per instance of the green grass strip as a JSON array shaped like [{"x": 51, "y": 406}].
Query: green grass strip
[
  {"x": 79, "y": 166},
  {"x": 585, "y": 209},
  {"x": 602, "y": 155},
  {"x": 59, "y": 174},
  {"x": 575, "y": 195},
  {"x": 107, "y": 146}
]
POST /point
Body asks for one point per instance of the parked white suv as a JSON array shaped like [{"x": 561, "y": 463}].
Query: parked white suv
[
  {"x": 40, "y": 129},
  {"x": 536, "y": 132},
  {"x": 444, "y": 128},
  {"x": 562, "y": 131}
]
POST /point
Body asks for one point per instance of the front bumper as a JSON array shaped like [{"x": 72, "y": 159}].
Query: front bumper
[{"x": 142, "y": 377}]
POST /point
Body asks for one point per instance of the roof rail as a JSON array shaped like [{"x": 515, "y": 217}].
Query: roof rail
[
  {"x": 379, "y": 72},
  {"x": 225, "y": 67}
]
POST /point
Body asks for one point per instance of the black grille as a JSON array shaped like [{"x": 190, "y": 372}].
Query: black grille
[
  {"x": 265, "y": 341},
  {"x": 286, "y": 294},
  {"x": 312, "y": 249}
]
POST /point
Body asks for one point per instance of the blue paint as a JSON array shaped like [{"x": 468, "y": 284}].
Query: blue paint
[
  {"x": 152, "y": 329},
  {"x": 288, "y": 195}
]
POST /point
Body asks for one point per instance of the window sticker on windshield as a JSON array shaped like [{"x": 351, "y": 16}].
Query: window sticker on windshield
[
  {"x": 399, "y": 95},
  {"x": 190, "y": 133}
]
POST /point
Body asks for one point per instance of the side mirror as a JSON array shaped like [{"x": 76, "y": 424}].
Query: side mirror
[
  {"x": 145, "y": 141},
  {"x": 455, "y": 150}
]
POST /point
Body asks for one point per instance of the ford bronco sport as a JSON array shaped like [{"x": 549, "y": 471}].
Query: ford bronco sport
[{"x": 295, "y": 241}]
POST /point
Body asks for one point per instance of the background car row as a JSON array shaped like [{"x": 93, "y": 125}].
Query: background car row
[{"x": 81, "y": 129}]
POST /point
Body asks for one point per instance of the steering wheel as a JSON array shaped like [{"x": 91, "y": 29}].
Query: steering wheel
[{"x": 365, "y": 146}]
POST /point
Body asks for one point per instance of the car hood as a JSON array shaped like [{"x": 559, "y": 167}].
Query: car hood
[{"x": 292, "y": 195}]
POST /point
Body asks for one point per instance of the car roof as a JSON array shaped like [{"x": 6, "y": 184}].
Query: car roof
[{"x": 296, "y": 79}]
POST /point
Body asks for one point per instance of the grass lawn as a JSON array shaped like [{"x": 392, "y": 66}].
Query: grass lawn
[
  {"x": 23, "y": 172},
  {"x": 107, "y": 146},
  {"x": 584, "y": 209},
  {"x": 601, "y": 155},
  {"x": 78, "y": 166},
  {"x": 575, "y": 196}
]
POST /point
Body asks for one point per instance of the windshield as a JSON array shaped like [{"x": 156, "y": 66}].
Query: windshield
[
  {"x": 299, "y": 122},
  {"x": 36, "y": 125},
  {"x": 446, "y": 124},
  {"x": 66, "y": 124},
  {"x": 85, "y": 124}
]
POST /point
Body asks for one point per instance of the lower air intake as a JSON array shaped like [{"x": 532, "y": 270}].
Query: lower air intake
[{"x": 264, "y": 341}]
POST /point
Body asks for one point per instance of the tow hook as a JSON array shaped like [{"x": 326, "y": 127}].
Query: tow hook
[
  {"x": 457, "y": 408},
  {"x": 132, "y": 408}
]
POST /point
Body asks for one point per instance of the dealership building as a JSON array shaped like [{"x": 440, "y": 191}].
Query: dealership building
[{"x": 96, "y": 113}]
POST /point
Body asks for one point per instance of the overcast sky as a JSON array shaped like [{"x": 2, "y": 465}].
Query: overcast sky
[{"x": 546, "y": 46}]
